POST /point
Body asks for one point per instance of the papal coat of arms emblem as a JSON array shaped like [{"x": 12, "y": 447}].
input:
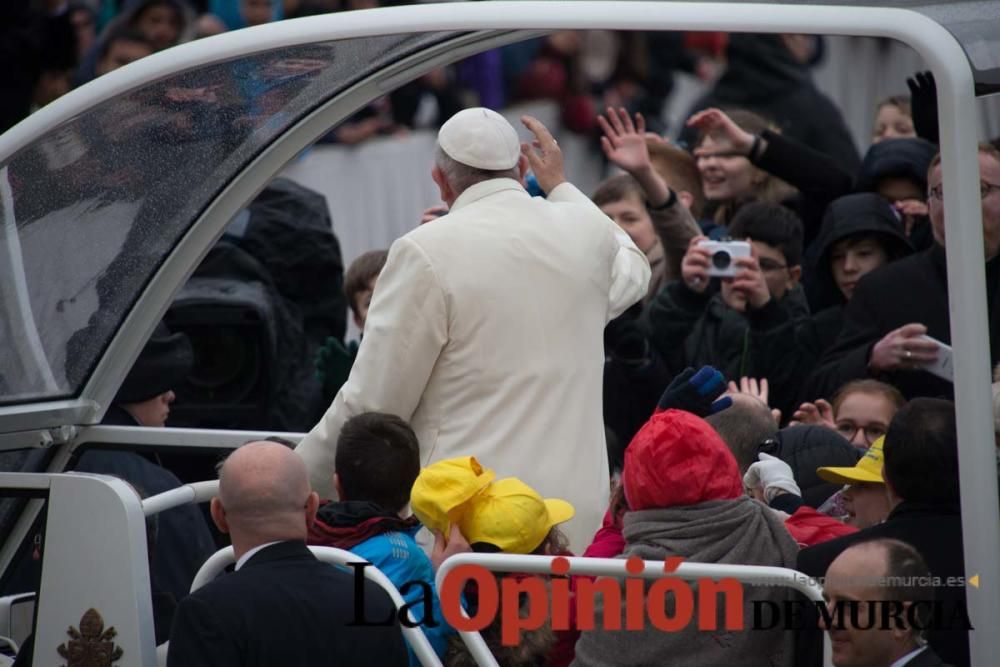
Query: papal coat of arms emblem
[{"x": 91, "y": 645}]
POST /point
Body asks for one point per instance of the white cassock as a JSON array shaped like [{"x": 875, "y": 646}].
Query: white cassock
[{"x": 485, "y": 332}]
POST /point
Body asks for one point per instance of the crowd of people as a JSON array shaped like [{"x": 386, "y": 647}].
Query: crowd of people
[
  {"x": 734, "y": 352},
  {"x": 817, "y": 435},
  {"x": 61, "y": 45}
]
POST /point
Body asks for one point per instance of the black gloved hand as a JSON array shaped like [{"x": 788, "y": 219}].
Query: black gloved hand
[
  {"x": 696, "y": 392},
  {"x": 923, "y": 105}
]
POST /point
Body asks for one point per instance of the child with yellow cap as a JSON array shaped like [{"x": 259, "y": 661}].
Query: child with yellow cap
[
  {"x": 501, "y": 516},
  {"x": 505, "y": 515}
]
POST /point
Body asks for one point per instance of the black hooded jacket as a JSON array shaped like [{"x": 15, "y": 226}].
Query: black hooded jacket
[
  {"x": 791, "y": 352},
  {"x": 763, "y": 77},
  {"x": 690, "y": 329},
  {"x": 857, "y": 215},
  {"x": 907, "y": 159}
]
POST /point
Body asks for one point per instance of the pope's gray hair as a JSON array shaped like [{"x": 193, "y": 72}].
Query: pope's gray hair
[{"x": 460, "y": 176}]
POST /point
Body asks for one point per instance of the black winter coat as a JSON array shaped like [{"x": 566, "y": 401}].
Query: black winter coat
[
  {"x": 690, "y": 329},
  {"x": 815, "y": 175},
  {"x": 855, "y": 215},
  {"x": 635, "y": 377},
  {"x": 763, "y": 77},
  {"x": 914, "y": 289}
]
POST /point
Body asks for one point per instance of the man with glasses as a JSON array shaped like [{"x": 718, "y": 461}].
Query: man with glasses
[{"x": 895, "y": 308}]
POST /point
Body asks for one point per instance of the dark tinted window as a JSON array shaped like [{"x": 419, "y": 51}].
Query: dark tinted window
[{"x": 89, "y": 211}]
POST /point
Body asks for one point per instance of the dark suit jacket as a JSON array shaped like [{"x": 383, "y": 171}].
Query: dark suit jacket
[
  {"x": 913, "y": 289},
  {"x": 933, "y": 530},
  {"x": 284, "y": 607},
  {"x": 927, "y": 658}
]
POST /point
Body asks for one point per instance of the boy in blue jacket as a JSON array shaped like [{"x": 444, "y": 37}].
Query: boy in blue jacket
[{"x": 377, "y": 462}]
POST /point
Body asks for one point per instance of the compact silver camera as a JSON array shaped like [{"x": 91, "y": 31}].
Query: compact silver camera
[{"x": 722, "y": 254}]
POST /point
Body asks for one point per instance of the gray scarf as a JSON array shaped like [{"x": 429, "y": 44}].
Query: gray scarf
[{"x": 739, "y": 531}]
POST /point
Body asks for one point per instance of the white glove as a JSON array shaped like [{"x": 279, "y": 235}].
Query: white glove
[{"x": 773, "y": 474}]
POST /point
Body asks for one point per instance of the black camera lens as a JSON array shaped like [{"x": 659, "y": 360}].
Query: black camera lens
[{"x": 722, "y": 259}]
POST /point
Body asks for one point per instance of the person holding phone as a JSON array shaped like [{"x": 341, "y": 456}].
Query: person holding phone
[{"x": 897, "y": 319}]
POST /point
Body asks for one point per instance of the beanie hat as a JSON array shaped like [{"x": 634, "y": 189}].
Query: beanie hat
[
  {"x": 900, "y": 158},
  {"x": 161, "y": 366},
  {"x": 806, "y": 448}
]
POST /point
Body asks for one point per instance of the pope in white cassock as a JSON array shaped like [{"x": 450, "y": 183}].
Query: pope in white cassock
[{"x": 485, "y": 330}]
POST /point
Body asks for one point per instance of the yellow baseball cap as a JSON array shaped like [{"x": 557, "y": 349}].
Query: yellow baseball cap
[
  {"x": 867, "y": 469},
  {"x": 442, "y": 489},
  {"x": 511, "y": 515}
]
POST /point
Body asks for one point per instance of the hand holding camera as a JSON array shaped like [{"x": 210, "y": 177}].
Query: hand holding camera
[
  {"x": 696, "y": 265},
  {"x": 724, "y": 256},
  {"x": 749, "y": 280}
]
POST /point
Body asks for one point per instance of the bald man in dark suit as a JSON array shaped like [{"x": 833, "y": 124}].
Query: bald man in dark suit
[{"x": 281, "y": 606}]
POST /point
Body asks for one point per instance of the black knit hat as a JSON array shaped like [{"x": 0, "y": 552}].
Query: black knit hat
[
  {"x": 863, "y": 213},
  {"x": 807, "y": 447},
  {"x": 899, "y": 158},
  {"x": 162, "y": 365}
]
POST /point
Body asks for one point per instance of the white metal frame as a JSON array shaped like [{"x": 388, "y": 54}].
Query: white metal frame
[
  {"x": 416, "y": 638},
  {"x": 615, "y": 567},
  {"x": 196, "y": 492},
  {"x": 956, "y": 111}
]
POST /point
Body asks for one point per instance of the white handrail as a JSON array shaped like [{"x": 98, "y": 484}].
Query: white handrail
[
  {"x": 416, "y": 638},
  {"x": 615, "y": 567},
  {"x": 196, "y": 492}
]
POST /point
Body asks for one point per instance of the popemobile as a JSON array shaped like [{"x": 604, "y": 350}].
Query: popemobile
[{"x": 112, "y": 195}]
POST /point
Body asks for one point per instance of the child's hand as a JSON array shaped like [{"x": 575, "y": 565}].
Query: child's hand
[
  {"x": 758, "y": 389},
  {"x": 694, "y": 266},
  {"x": 912, "y": 211},
  {"x": 624, "y": 143},
  {"x": 819, "y": 413},
  {"x": 749, "y": 280},
  {"x": 445, "y": 549}
]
